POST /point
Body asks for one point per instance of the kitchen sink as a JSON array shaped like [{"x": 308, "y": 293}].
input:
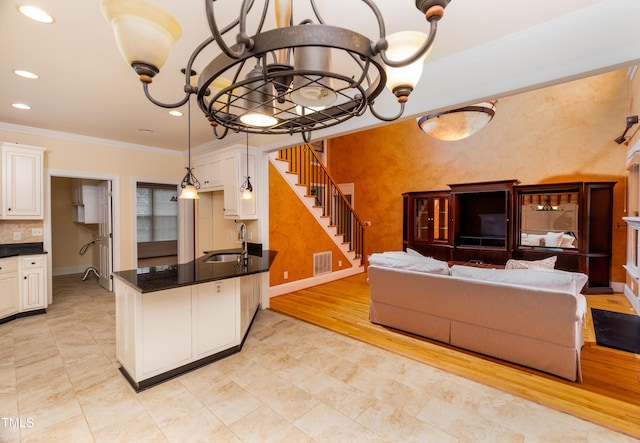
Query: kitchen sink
[{"x": 224, "y": 257}]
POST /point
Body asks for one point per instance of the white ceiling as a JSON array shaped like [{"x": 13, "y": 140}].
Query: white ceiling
[{"x": 484, "y": 49}]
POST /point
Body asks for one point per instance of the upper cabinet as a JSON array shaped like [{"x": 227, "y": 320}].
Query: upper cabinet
[
  {"x": 227, "y": 170},
  {"x": 208, "y": 170},
  {"x": 22, "y": 182},
  {"x": 84, "y": 200}
]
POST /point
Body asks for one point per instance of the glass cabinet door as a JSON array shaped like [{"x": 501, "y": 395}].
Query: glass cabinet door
[
  {"x": 422, "y": 218},
  {"x": 431, "y": 219},
  {"x": 441, "y": 219}
]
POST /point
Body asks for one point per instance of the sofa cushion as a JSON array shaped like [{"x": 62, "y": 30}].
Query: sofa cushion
[
  {"x": 403, "y": 260},
  {"x": 571, "y": 282},
  {"x": 547, "y": 263}
]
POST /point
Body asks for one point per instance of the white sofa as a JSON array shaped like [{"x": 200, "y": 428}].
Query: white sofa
[{"x": 530, "y": 317}]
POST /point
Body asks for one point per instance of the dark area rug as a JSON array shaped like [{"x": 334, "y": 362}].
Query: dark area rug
[{"x": 616, "y": 330}]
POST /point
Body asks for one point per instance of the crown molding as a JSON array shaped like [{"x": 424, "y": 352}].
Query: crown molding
[{"x": 87, "y": 139}]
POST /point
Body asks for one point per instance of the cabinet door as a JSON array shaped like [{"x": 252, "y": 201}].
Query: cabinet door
[
  {"x": 215, "y": 312},
  {"x": 431, "y": 218},
  {"x": 22, "y": 179},
  {"x": 9, "y": 302},
  {"x": 231, "y": 186},
  {"x": 33, "y": 292}
]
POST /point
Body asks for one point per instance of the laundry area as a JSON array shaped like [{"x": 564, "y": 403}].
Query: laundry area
[{"x": 76, "y": 228}]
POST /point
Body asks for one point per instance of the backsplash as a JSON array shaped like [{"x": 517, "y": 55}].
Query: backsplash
[{"x": 21, "y": 231}]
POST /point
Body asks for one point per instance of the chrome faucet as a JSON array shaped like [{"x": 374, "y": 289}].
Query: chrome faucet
[{"x": 241, "y": 229}]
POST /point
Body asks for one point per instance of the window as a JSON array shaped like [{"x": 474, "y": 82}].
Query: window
[{"x": 157, "y": 213}]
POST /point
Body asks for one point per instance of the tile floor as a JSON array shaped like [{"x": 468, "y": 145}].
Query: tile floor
[{"x": 293, "y": 382}]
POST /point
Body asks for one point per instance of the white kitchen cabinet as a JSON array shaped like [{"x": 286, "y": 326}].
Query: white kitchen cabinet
[
  {"x": 208, "y": 170},
  {"x": 9, "y": 289},
  {"x": 215, "y": 320},
  {"x": 22, "y": 182},
  {"x": 32, "y": 276},
  {"x": 159, "y": 332},
  {"x": 249, "y": 300},
  {"x": 235, "y": 172},
  {"x": 84, "y": 201}
]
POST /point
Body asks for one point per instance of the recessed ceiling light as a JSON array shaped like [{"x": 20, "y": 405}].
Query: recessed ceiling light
[
  {"x": 20, "y": 106},
  {"x": 176, "y": 113},
  {"x": 146, "y": 131},
  {"x": 25, "y": 74},
  {"x": 36, "y": 14}
]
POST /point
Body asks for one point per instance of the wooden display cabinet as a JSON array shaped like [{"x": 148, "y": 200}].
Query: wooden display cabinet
[
  {"x": 492, "y": 222},
  {"x": 429, "y": 228},
  {"x": 482, "y": 221},
  {"x": 573, "y": 221}
]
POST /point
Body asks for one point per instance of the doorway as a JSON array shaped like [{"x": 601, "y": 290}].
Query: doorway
[{"x": 79, "y": 226}]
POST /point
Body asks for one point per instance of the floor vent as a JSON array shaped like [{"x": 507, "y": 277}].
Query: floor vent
[{"x": 321, "y": 263}]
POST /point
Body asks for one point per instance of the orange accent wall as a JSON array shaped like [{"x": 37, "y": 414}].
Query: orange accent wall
[
  {"x": 295, "y": 234},
  {"x": 557, "y": 134}
]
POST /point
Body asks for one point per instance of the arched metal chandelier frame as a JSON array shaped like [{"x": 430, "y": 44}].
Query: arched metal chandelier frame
[{"x": 356, "y": 93}]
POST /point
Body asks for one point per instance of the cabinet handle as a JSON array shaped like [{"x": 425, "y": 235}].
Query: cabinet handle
[
  {"x": 25, "y": 277},
  {"x": 8, "y": 209},
  {"x": 33, "y": 263}
]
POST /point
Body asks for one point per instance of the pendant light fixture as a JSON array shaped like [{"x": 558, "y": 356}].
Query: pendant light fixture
[
  {"x": 190, "y": 183},
  {"x": 246, "y": 189}
]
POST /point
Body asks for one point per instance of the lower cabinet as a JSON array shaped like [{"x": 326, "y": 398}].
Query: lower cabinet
[
  {"x": 9, "y": 290},
  {"x": 163, "y": 333},
  {"x": 33, "y": 294},
  {"x": 22, "y": 285}
]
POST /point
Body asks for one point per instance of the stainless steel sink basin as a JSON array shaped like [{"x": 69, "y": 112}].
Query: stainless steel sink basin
[{"x": 224, "y": 257}]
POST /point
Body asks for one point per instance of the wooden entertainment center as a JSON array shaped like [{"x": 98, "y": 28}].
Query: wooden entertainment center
[{"x": 491, "y": 222}]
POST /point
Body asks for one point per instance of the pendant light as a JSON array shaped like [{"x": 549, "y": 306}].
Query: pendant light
[
  {"x": 190, "y": 183},
  {"x": 246, "y": 188}
]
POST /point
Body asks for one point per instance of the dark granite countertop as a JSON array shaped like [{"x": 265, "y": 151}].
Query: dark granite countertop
[
  {"x": 14, "y": 249},
  {"x": 159, "y": 278}
]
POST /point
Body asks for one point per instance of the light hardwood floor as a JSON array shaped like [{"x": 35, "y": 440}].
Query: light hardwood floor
[{"x": 609, "y": 394}]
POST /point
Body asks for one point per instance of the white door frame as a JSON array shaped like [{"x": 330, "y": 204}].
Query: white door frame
[{"x": 115, "y": 212}]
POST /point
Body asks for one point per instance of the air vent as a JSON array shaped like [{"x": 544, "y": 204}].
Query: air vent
[{"x": 321, "y": 263}]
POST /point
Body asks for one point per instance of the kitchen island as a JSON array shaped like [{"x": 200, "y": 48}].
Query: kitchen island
[{"x": 174, "y": 318}]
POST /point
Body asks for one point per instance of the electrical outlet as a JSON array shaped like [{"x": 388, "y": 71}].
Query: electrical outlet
[
  {"x": 17, "y": 235},
  {"x": 339, "y": 263},
  {"x": 36, "y": 232},
  {"x": 286, "y": 275}
]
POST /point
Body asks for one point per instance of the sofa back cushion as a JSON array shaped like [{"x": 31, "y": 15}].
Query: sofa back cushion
[
  {"x": 410, "y": 262},
  {"x": 557, "y": 280}
]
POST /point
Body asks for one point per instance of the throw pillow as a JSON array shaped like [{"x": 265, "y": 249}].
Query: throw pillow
[
  {"x": 553, "y": 239},
  {"x": 547, "y": 263}
]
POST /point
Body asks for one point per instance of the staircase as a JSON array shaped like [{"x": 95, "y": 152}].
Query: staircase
[{"x": 302, "y": 168}]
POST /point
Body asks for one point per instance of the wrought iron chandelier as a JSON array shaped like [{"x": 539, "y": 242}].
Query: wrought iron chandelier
[{"x": 282, "y": 80}]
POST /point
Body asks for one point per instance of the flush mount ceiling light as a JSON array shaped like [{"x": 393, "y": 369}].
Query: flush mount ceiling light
[
  {"x": 259, "y": 84},
  {"x": 458, "y": 124}
]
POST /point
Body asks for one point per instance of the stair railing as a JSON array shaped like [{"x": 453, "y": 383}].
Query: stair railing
[{"x": 306, "y": 163}]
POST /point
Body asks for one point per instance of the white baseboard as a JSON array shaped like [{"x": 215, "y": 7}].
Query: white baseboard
[
  {"x": 297, "y": 285},
  {"x": 79, "y": 269}
]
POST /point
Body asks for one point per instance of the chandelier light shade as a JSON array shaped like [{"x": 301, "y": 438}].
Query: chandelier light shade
[
  {"x": 258, "y": 94},
  {"x": 402, "y": 80},
  {"x": 294, "y": 65},
  {"x": 144, "y": 33},
  {"x": 458, "y": 124}
]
